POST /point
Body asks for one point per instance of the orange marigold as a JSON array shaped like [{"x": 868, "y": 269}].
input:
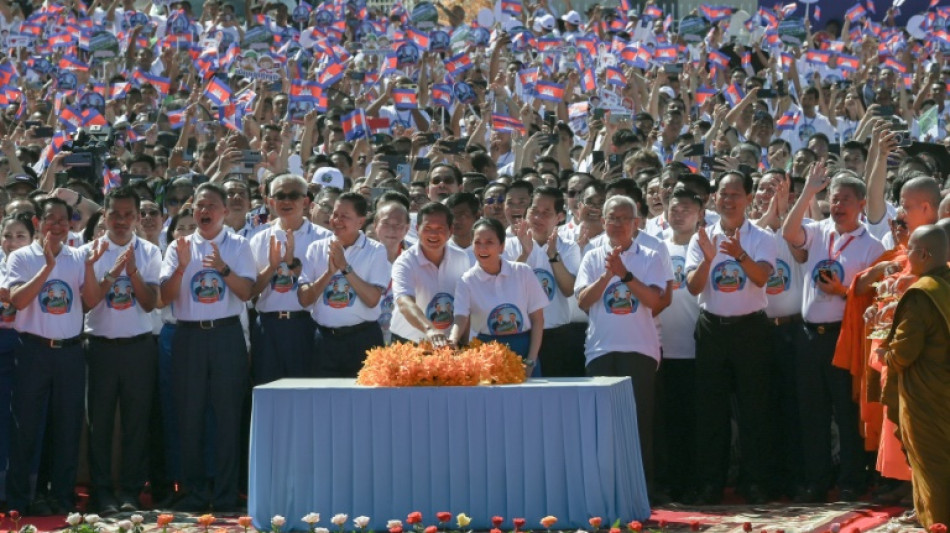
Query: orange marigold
[{"x": 409, "y": 365}]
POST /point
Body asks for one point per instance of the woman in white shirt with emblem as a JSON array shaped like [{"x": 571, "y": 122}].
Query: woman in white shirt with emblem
[{"x": 498, "y": 300}]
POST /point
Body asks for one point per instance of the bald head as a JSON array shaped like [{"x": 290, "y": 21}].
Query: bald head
[
  {"x": 927, "y": 249},
  {"x": 944, "y": 224},
  {"x": 926, "y": 188},
  {"x": 944, "y": 210}
]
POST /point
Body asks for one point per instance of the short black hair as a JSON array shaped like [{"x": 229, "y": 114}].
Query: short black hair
[
  {"x": 357, "y": 200},
  {"x": 455, "y": 172},
  {"x": 215, "y": 189},
  {"x": 493, "y": 225},
  {"x": 521, "y": 184},
  {"x": 748, "y": 185},
  {"x": 125, "y": 192},
  {"x": 552, "y": 193},
  {"x": 433, "y": 208},
  {"x": 392, "y": 197},
  {"x": 463, "y": 198},
  {"x": 687, "y": 196}
]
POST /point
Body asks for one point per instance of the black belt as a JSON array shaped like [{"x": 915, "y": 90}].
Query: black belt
[
  {"x": 210, "y": 324},
  {"x": 51, "y": 343},
  {"x": 121, "y": 340},
  {"x": 347, "y": 330},
  {"x": 782, "y": 320},
  {"x": 729, "y": 320},
  {"x": 822, "y": 328},
  {"x": 284, "y": 315}
]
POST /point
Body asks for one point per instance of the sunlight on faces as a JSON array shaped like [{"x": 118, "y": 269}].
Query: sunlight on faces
[
  {"x": 543, "y": 217},
  {"x": 493, "y": 203},
  {"x": 516, "y": 204},
  {"x": 392, "y": 224},
  {"x": 209, "y": 212},
  {"x": 731, "y": 198},
  {"x": 121, "y": 218},
  {"x": 55, "y": 221},
  {"x": 620, "y": 222},
  {"x": 487, "y": 248},
  {"x": 15, "y": 236},
  {"x": 434, "y": 231},
  {"x": 345, "y": 222},
  {"x": 288, "y": 199},
  {"x": 846, "y": 207},
  {"x": 684, "y": 215}
]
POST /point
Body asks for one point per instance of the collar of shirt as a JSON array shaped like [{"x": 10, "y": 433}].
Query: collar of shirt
[
  {"x": 634, "y": 246},
  {"x": 360, "y": 243},
  {"x": 113, "y": 246},
  {"x": 218, "y": 239},
  {"x": 858, "y": 232},
  {"x": 717, "y": 229},
  {"x": 485, "y": 276}
]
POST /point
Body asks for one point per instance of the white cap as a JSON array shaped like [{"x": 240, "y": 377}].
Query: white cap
[
  {"x": 547, "y": 22},
  {"x": 328, "y": 177},
  {"x": 667, "y": 90},
  {"x": 572, "y": 17}
]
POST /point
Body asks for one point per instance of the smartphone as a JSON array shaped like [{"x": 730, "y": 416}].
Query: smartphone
[
  {"x": 673, "y": 68},
  {"x": 826, "y": 273},
  {"x": 843, "y": 84},
  {"x": 597, "y": 157},
  {"x": 422, "y": 164},
  {"x": 747, "y": 170},
  {"x": 780, "y": 88},
  {"x": 457, "y": 147},
  {"x": 616, "y": 117},
  {"x": 599, "y": 113},
  {"x": 550, "y": 140},
  {"x": 394, "y": 161},
  {"x": 709, "y": 164},
  {"x": 885, "y": 110},
  {"x": 903, "y": 138},
  {"x": 32, "y": 123},
  {"x": 44, "y": 131},
  {"x": 430, "y": 137},
  {"x": 615, "y": 160},
  {"x": 375, "y": 193},
  {"x": 251, "y": 157},
  {"x": 695, "y": 150},
  {"x": 834, "y": 149},
  {"x": 767, "y": 93}
]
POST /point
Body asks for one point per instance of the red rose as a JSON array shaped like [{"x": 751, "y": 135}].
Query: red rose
[
  {"x": 497, "y": 521},
  {"x": 747, "y": 526},
  {"x": 519, "y": 523},
  {"x": 615, "y": 530},
  {"x": 414, "y": 518},
  {"x": 395, "y": 529},
  {"x": 495, "y": 530},
  {"x": 432, "y": 529},
  {"x": 694, "y": 526},
  {"x": 595, "y": 521},
  {"x": 936, "y": 528},
  {"x": 14, "y": 515},
  {"x": 443, "y": 516},
  {"x": 635, "y": 526}
]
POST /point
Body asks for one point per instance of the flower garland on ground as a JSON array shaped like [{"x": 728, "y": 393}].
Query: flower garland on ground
[{"x": 410, "y": 365}]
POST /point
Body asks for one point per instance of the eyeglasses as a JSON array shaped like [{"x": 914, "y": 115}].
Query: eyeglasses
[
  {"x": 439, "y": 181},
  {"x": 292, "y": 196},
  {"x": 151, "y": 213},
  {"x": 492, "y": 200}
]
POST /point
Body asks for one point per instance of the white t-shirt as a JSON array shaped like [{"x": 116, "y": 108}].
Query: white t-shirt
[
  {"x": 57, "y": 311},
  {"x": 784, "y": 288},
  {"x": 7, "y": 311},
  {"x": 558, "y": 311},
  {"x": 339, "y": 305},
  {"x": 728, "y": 291},
  {"x": 798, "y": 136},
  {"x": 845, "y": 254},
  {"x": 281, "y": 293},
  {"x": 499, "y": 304},
  {"x": 204, "y": 295},
  {"x": 431, "y": 286},
  {"x": 119, "y": 315},
  {"x": 618, "y": 323},
  {"x": 679, "y": 319}
]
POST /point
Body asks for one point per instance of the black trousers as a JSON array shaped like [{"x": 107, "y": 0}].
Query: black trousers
[
  {"x": 342, "y": 356},
  {"x": 562, "y": 351},
  {"x": 788, "y": 461},
  {"x": 675, "y": 426},
  {"x": 210, "y": 367},
  {"x": 53, "y": 379},
  {"x": 824, "y": 391},
  {"x": 641, "y": 369},
  {"x": 281, "y": 347},
  {"x": 732, "y": 356},
  {"x": 120, "y": 376}
]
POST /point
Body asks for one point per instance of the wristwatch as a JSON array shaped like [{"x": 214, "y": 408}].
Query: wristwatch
[
  {"x": 556, "y": 258},
  {"x": 627, "y": 278},
  {"x": 347, "y": 269},
  {"x": 226, "y": 272}
]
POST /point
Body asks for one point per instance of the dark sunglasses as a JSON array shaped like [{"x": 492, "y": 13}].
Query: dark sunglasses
[
  {"x": 439, "y": 181},
  {"x": 292, "y": 196}
]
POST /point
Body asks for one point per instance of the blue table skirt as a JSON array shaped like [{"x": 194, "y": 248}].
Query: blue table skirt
[{"x": 564, "y": 447}]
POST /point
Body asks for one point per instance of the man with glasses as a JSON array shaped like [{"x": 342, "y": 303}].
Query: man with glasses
[
  {"x": 45, "y": 281},
  {"x": 619, "y": 284},
  {"x": 121, "y": 353},
  {"x": 493, "y": 202},
  {"x": 282, "y": 338},
  {"x": 444, "y": 180},
  {"x": 575, "y": 186}
]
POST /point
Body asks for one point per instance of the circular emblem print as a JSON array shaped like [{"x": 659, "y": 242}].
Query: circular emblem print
[{"x": 505, "y": 319}]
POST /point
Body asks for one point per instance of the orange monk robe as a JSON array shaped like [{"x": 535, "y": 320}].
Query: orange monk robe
[{"x": 919, "y": 351}]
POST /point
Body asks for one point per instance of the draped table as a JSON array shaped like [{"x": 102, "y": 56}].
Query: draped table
[{"x": 566, "y": 447}]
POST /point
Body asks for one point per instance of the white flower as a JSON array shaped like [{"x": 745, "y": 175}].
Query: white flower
[
  {"x": 124, "y": 525},
  {"x": 92, "y": 518},
  {"x": 74, "y": 519},
  {"x": 311, "y": 518},
  {"x": 361, "y": 521},
  {"x": 278, "y": 521},
  {"x": 137, "y": 519},
  {"x": 580, "y": 531},
  {"x": 339, "y": 519},
  {"x": 321, "y": 530},
  {"x": 393, "y": 523},
  {"x": 28, "y": 529}
]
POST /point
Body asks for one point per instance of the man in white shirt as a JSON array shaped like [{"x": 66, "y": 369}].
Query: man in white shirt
[
  {"x": 121, "y": 353},
  {"x": 208, "y": 277},
  {"x": 45, "y": 279},
  {"x": 728, "y": 265},
  {"x": 619, "y": 283},
  {"x": 810, "y": 122},
  {"x": 838, "y": 249},
  {"x": 425, "y": 275},
  {"x": 282, "y": 339}
]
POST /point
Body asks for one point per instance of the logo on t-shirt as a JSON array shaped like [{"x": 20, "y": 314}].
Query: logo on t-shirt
[
  {"x": 7, "y": 313},
  {"x": 679, "y": 271},
  {"x": 547, "y": 282},
  {"x": 827, "y": 265},
  {"x": 505, "y": 319},
  {"x": 728, "y": 276},
  {"x": 56, "y": 298},
  {"x": 283, "y": 280},
  {"x": 805, "y": 132},
  {"x": 440, "y": 310},
  {"x": 781, "y": 278},
  {"x": 338, "y": 293},
  {"x": 207, "y": 286},
  {"x": 618, "y": 300},
  {"x": 386, "y": 310},
  {"x": 120, "y": 296}
]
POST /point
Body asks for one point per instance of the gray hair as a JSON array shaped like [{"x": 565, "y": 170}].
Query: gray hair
[{"x": 619, "y": 199}]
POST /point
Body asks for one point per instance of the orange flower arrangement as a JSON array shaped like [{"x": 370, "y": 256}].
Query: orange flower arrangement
[{"x": 409, "y": 365}]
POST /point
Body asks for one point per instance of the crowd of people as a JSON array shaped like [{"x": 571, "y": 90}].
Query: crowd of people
[{"x": 195, "y": 203}]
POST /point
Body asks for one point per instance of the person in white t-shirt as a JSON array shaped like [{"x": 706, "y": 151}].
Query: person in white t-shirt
[
  {"x": 619, "y": 284},
  {"x": 838, "y": 248},
  {"x": 497, "y": 300},
  {"x": 555, "y": 261}
]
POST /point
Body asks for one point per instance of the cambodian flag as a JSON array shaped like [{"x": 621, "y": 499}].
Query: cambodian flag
[
  {"x": 528, "y": 77},
  {"x": 665, "y": 54},
  {"x": 60, "y": 40},
  {"x": 501, "y": 122},
  {"x": 718, "y": 58},
  {"x": 942, "y": 37},
  {"x": 667, "y": 22},
  {"x": 303, "y": 90},
  {"x": 512, "y": 7},
  {"x": 330, "y": 75},
  {"x": 162, "y": 85},
  {"x": 733, "y": 94},
  {"x": 91, "y": 117},
  {"x": 71, "y": 62},
  {"x": 421, "y": 38},
  {"x": 715, "y": 13},
  {"x": 788, "y": 9},
  {"x": 578, "y": 110},
  {"x": 176, "y": 119},
  {"x": 111, "y": 179},
  {"x": 653, "y": 11},
  {"x": 442, "y": 94},
  {"x": 787, "y": 122},
  {"x": 893, "y": 64},
  {"x": 703, "y": 93},
  {"x": 458, "y": 64},
  {"x": 354, "y": 125},
  {"x": 871, "y": 7},
  {"x": 548, "y": 43},
  {"x": 848, "y": 63},
  {"x": 405, "y": 98},
  {"x": 70, "y": 119},
  {"x": 550, "y": 91},
  {"x": 615, "y": 77},
  {"x": 817, "y": 57},
  {"x": 218, "y": 92},
  {"x": 855, "y": 13},
  {"x": 588, "y": 82},
  {"x": 787, "y": 60},
  {"x": 390, "y": 64}
]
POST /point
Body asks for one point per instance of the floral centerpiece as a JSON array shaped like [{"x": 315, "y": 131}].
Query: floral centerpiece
[{"x": 409, "y": 365}]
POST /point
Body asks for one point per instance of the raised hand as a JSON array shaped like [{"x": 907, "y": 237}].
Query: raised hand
[
  {"x": 273, "y": 252},
  {"x": 214, "y": 260},
  {"x": 98, "y": 248},
  {"x": 614, "y": 265},
  {"x": 183, "y": 250},
  {"x": 706, "y": 245},
  {"x": 525, "y": 236},
  {"x": 731, "y": 246}
]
